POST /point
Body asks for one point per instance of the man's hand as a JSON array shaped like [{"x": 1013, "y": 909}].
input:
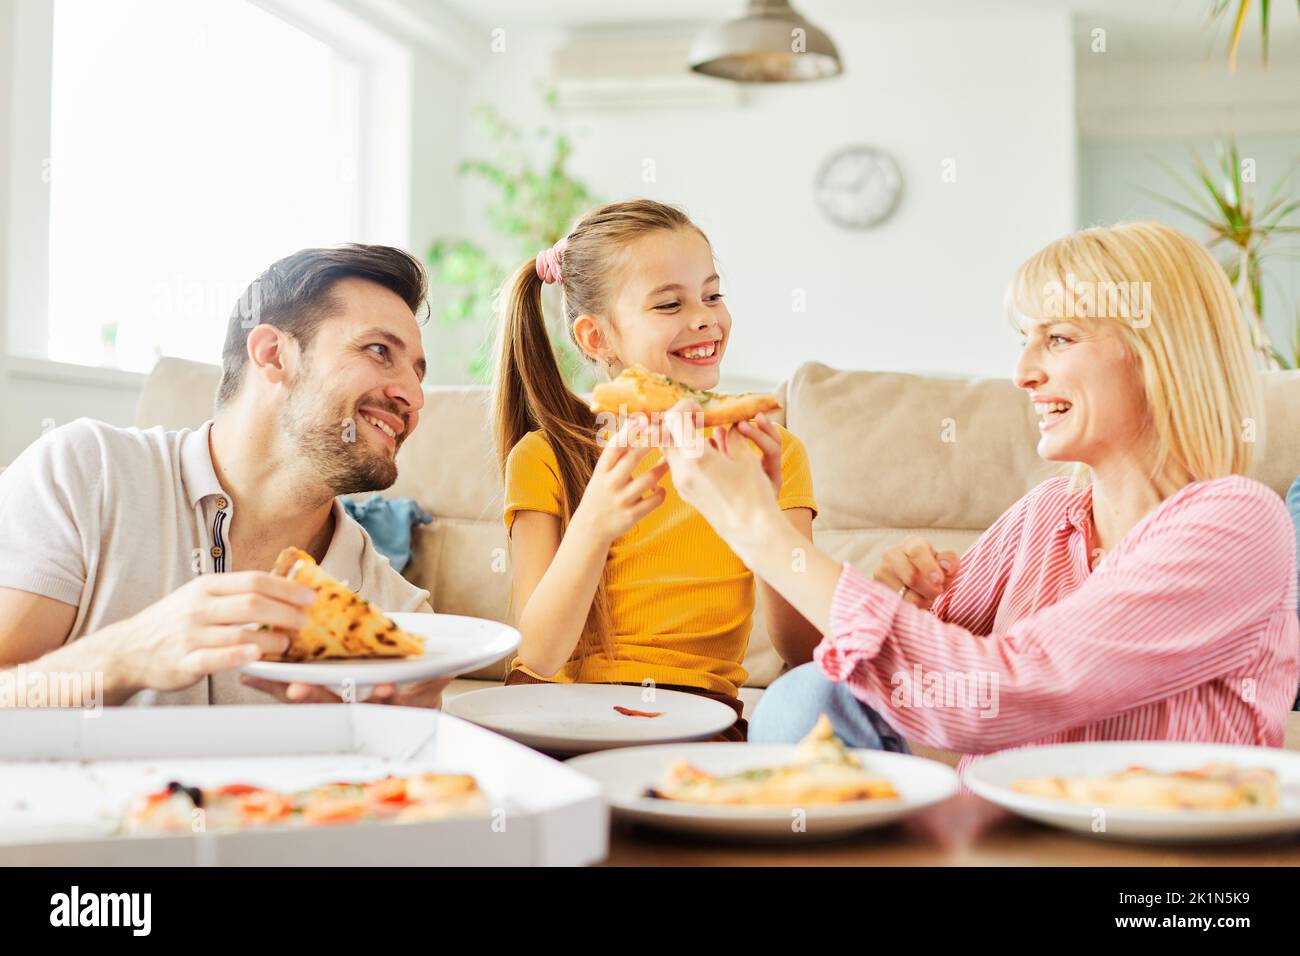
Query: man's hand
[
  {"x": 201, "y": 628},
  {"x": 425, "y": 694}
]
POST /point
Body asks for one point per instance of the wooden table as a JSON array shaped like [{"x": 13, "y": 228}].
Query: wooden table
[{"x": 963, "y": 831}]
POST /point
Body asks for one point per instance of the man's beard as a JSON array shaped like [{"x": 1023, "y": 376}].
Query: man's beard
[{"x": 338, "y": 457}]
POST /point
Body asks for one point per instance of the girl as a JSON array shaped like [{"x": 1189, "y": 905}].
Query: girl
[
  {"x": 616, "y": 579},
  {"x": 1153, "y": 601}
]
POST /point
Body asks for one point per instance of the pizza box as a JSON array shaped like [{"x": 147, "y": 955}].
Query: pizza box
[{"x": 67, "y": 775}]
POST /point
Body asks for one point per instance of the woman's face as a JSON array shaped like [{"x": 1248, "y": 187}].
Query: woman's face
[
  {"x": 668, "y": 314},
  {"x": 1086, "y": 389}
]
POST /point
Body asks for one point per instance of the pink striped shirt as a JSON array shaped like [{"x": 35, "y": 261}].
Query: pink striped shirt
[{"x": 1186, "y": 630}]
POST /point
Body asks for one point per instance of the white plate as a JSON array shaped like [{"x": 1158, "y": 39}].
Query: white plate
[
  {"x": 452, "y": 645},
  {"x": 991, "y": 778},
  {"x": 624, "y": 776},
  {"x": 578, "y": 718}
]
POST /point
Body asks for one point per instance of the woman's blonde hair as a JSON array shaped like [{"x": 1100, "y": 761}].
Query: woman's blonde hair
[
  {"x": 529, "y": 390},
  {"x": 1177, "y": 315}
]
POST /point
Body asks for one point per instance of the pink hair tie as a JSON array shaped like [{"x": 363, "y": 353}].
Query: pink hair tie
[{"x": 549, "y": 262}]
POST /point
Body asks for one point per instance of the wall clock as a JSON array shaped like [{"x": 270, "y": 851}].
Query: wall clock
[{"x": 859, "y": 186}]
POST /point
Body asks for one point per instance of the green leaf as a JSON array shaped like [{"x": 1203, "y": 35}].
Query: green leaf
[
  {"x": 1182, "y": 207},
  {"x": 1242, "y": 9},
  {"x": 1263, "y": 27}
]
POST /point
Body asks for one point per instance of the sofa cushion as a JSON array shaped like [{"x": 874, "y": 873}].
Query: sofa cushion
[
  {"x": 897, "y": 452},
  {"x": 1277, "y": 459}
]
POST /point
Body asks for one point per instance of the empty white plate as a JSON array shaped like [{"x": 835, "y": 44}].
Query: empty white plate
[
  {"x": 578, "y": 718},
  {"x": 453, "y": 645},
  {"x": 991, "y": 778},
  {"x": 624, "y": 776}
]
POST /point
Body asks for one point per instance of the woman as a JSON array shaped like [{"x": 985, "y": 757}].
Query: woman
[{"x": 1152, "y": 596}]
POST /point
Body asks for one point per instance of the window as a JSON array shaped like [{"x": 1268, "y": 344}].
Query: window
[{"x": 192, "y": 144}]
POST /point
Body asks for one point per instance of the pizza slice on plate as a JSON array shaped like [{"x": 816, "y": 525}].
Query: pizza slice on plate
[
  {"x": 339, "y": 623},
  {"x": 639, "y": 390},
  {"x": 821, "y": 771},
  {"x": 1215, "y": 786}
]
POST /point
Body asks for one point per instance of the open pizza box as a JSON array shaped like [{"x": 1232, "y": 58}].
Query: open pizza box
[{"x": 66, "y": 777}]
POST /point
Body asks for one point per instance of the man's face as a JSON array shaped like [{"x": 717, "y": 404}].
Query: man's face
[{"x": 356, "y": 393}]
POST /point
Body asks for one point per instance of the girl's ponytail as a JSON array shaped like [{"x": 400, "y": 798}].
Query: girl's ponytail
[{"x": 529, "y": 394}]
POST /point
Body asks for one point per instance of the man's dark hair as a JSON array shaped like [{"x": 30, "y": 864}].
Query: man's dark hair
[{"x": 294, "y": 294}]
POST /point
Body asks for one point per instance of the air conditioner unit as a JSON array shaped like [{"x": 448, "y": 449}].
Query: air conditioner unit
[{"x": 635, "y": 69}]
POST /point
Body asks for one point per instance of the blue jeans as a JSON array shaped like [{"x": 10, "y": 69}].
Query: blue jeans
[{"x": 789, "y": 708}]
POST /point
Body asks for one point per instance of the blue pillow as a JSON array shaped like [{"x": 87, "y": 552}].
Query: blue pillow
[
  {"x": 1294, "y": 506},
  {"x": 389, "y": 524}
]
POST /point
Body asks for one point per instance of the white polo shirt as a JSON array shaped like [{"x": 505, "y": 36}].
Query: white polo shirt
[{"x": 113, "y": 519}]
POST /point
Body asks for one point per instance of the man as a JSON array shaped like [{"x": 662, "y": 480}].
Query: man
[{"x": 143, "y": 555}]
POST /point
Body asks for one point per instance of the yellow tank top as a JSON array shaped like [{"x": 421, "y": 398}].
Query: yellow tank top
[{"x": 681, "y": 602}]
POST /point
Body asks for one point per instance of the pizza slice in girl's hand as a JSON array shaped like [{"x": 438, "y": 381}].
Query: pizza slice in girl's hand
[
  {"x": 639, "y": 390},
  {"x": 339, "y": 624}
]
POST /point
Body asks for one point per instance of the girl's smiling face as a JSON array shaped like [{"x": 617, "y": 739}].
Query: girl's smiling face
[
  {"x": 1087, "y": 390},
  {"x": 667, "y": 312}
]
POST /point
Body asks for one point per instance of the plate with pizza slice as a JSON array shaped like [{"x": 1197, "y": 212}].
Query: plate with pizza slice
[
  {"x": 347, "y": 641},
  {"x": 1150, "y": 791},
  {"x": 818, "y": 788},
  {"x": 637, "y": 389}
]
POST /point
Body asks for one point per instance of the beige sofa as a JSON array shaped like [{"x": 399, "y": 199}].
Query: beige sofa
[{"x": 891, "y": 454}]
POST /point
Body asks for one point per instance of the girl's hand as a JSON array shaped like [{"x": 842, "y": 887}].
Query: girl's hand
[
  {"x": 722, "y": 478},
  {"x": 764, "y": 434},
  {"x": 915, "y": 565},
  {"x": 616, "y": 499}
]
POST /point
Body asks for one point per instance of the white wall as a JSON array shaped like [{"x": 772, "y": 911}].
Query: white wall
[{"x": 922, "y": 292}]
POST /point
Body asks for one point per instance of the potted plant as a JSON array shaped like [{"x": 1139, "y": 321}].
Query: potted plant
[
  {"x": 1245, "y": 233},
  {"x": 534, "y": 204}
]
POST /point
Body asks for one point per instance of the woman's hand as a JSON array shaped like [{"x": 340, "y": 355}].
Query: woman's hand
[
  {"x": 616, "y": 499},
  {"x": 915, "y": 565},
  {"x": 722, "y": 478},
  {"x": 764, "y": 434}
]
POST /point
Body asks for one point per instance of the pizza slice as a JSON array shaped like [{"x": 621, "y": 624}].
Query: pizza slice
[
  {"x": 639, "y": 390},
  {"x": 821, "y": 771},
  {"x": 1215, "y": 786},
  {"x": 339, "y": 624}
]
